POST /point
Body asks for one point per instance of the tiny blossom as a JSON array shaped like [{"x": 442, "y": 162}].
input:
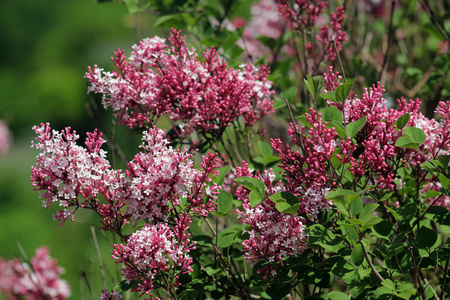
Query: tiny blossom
[
  {"x": 153, "y": 251},
  {"x": 38, "y": 280},
  {"x": 5, "y": 138},
  {"x": 158, "y": 79}
]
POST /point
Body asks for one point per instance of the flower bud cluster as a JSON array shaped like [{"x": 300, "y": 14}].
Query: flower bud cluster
[{"x": 304, "y": 15}]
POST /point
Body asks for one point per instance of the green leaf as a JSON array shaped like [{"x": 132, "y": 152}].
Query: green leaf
[
  {"x": 278, "y": 103},
  {"x": 309, "y": 84},
  {"x": 354, "y": 127},
  {"x": 383, "y": 229},
  {"x": 444, "y": 160},
  {"x": 308, "y": 274},
  {"x": 168, "y": 20},
  {"x": 282, "y": 206},
  {"x": 339, "y": 128},
  {"x": 292, "y": 210},
  {"x": 406, "y": 142},
  {"x": 210, "y": 271},
  {"x": 382, "y": 290},
  {"x": 302, "y": 119},
  {"x": 444, "y": 180},
  {"x": 336, "y": 295},
  {"x": 388, "y": 283},
  {"x": 402, "y": 121},
  {"x": 332, "y": 114},
  {"x": 252, "y": 184},
  {"x": 132, "y": 6},
  {"x": 225, "y": 202},
  {"x": 315, "y": 84},
  {"x": 265, "y": 149},
  {"x": 433, "y": 166},
  {"x": 288, "y": 93},
  {"x": 277, "y": 291},
  {"x": 432, "y": 29},
  {"x": 331, "y": 95},
  {"x": 223, "y": 171},
  {"x": 226, "y": 237},
  {"x": 417, "y": 135},
  {"x": 286, "y": 197},
  {"x": 123, "y": 286},
  {"x": 343, "y": 269},
  {"x": 368, "y": 209},
  {"x": 343, "y": 196},
  {"x": 318, "y": 84},
  {"x": 255, "y": 198},
  {"x": 357, "y": 255},
  {"x": 356, "y": 206},
  {"x": 425, "y": 238},
  {"x": 343, "y": 91},
  {"x": 393, "y": 212},
  {"x": 407, "y": 211}
]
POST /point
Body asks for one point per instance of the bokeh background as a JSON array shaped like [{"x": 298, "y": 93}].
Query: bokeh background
[{"x": 46, "y": 47}]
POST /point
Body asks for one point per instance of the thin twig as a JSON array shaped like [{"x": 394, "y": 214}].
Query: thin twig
[
  {"x": 339, "y": 59},
  {"x": 99, "y": 257},
  {"x": 383, "y": 66},
  {"x": 83, "y": 275},
  {"x": 372, "y": 267}
]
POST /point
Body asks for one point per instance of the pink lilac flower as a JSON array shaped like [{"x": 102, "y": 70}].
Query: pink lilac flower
[
  {"x": 265, "y": 21},
  {"x": 301, "y": 13},
  {"x": 304, "y": 14},
  {"x": 39, "y": 279},
  {"x": 307, "y": 171},
  {"x": 5, "y": 138},
  {"x": 202, "y": 93},
  {"x": 153, "y": 251},
  {"x": 157, "y": 178},
  {"x": 329, "y": 33},
  {"x": 273, "y": 235},
  {"x": 66, "y": 172},
  {"x": 202, "y": 187}
]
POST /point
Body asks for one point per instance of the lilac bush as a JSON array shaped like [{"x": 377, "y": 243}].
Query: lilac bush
[{"x": 354, "y": 204}]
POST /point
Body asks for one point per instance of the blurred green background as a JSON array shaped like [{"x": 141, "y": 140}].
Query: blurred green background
[{"x": 46, "y": 47}]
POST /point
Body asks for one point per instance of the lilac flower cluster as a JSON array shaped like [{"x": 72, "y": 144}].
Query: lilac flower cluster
[
  {"x": 379, "y": 134},
  {"x": 303, "y": 14},
  {"x": 203, "y": 94},
  {"x": 39, "y": 279},
  {"x": 152, "y": 252},
  {"x": 273, "y": 235},
  {"x": 151, "y": 189}
]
